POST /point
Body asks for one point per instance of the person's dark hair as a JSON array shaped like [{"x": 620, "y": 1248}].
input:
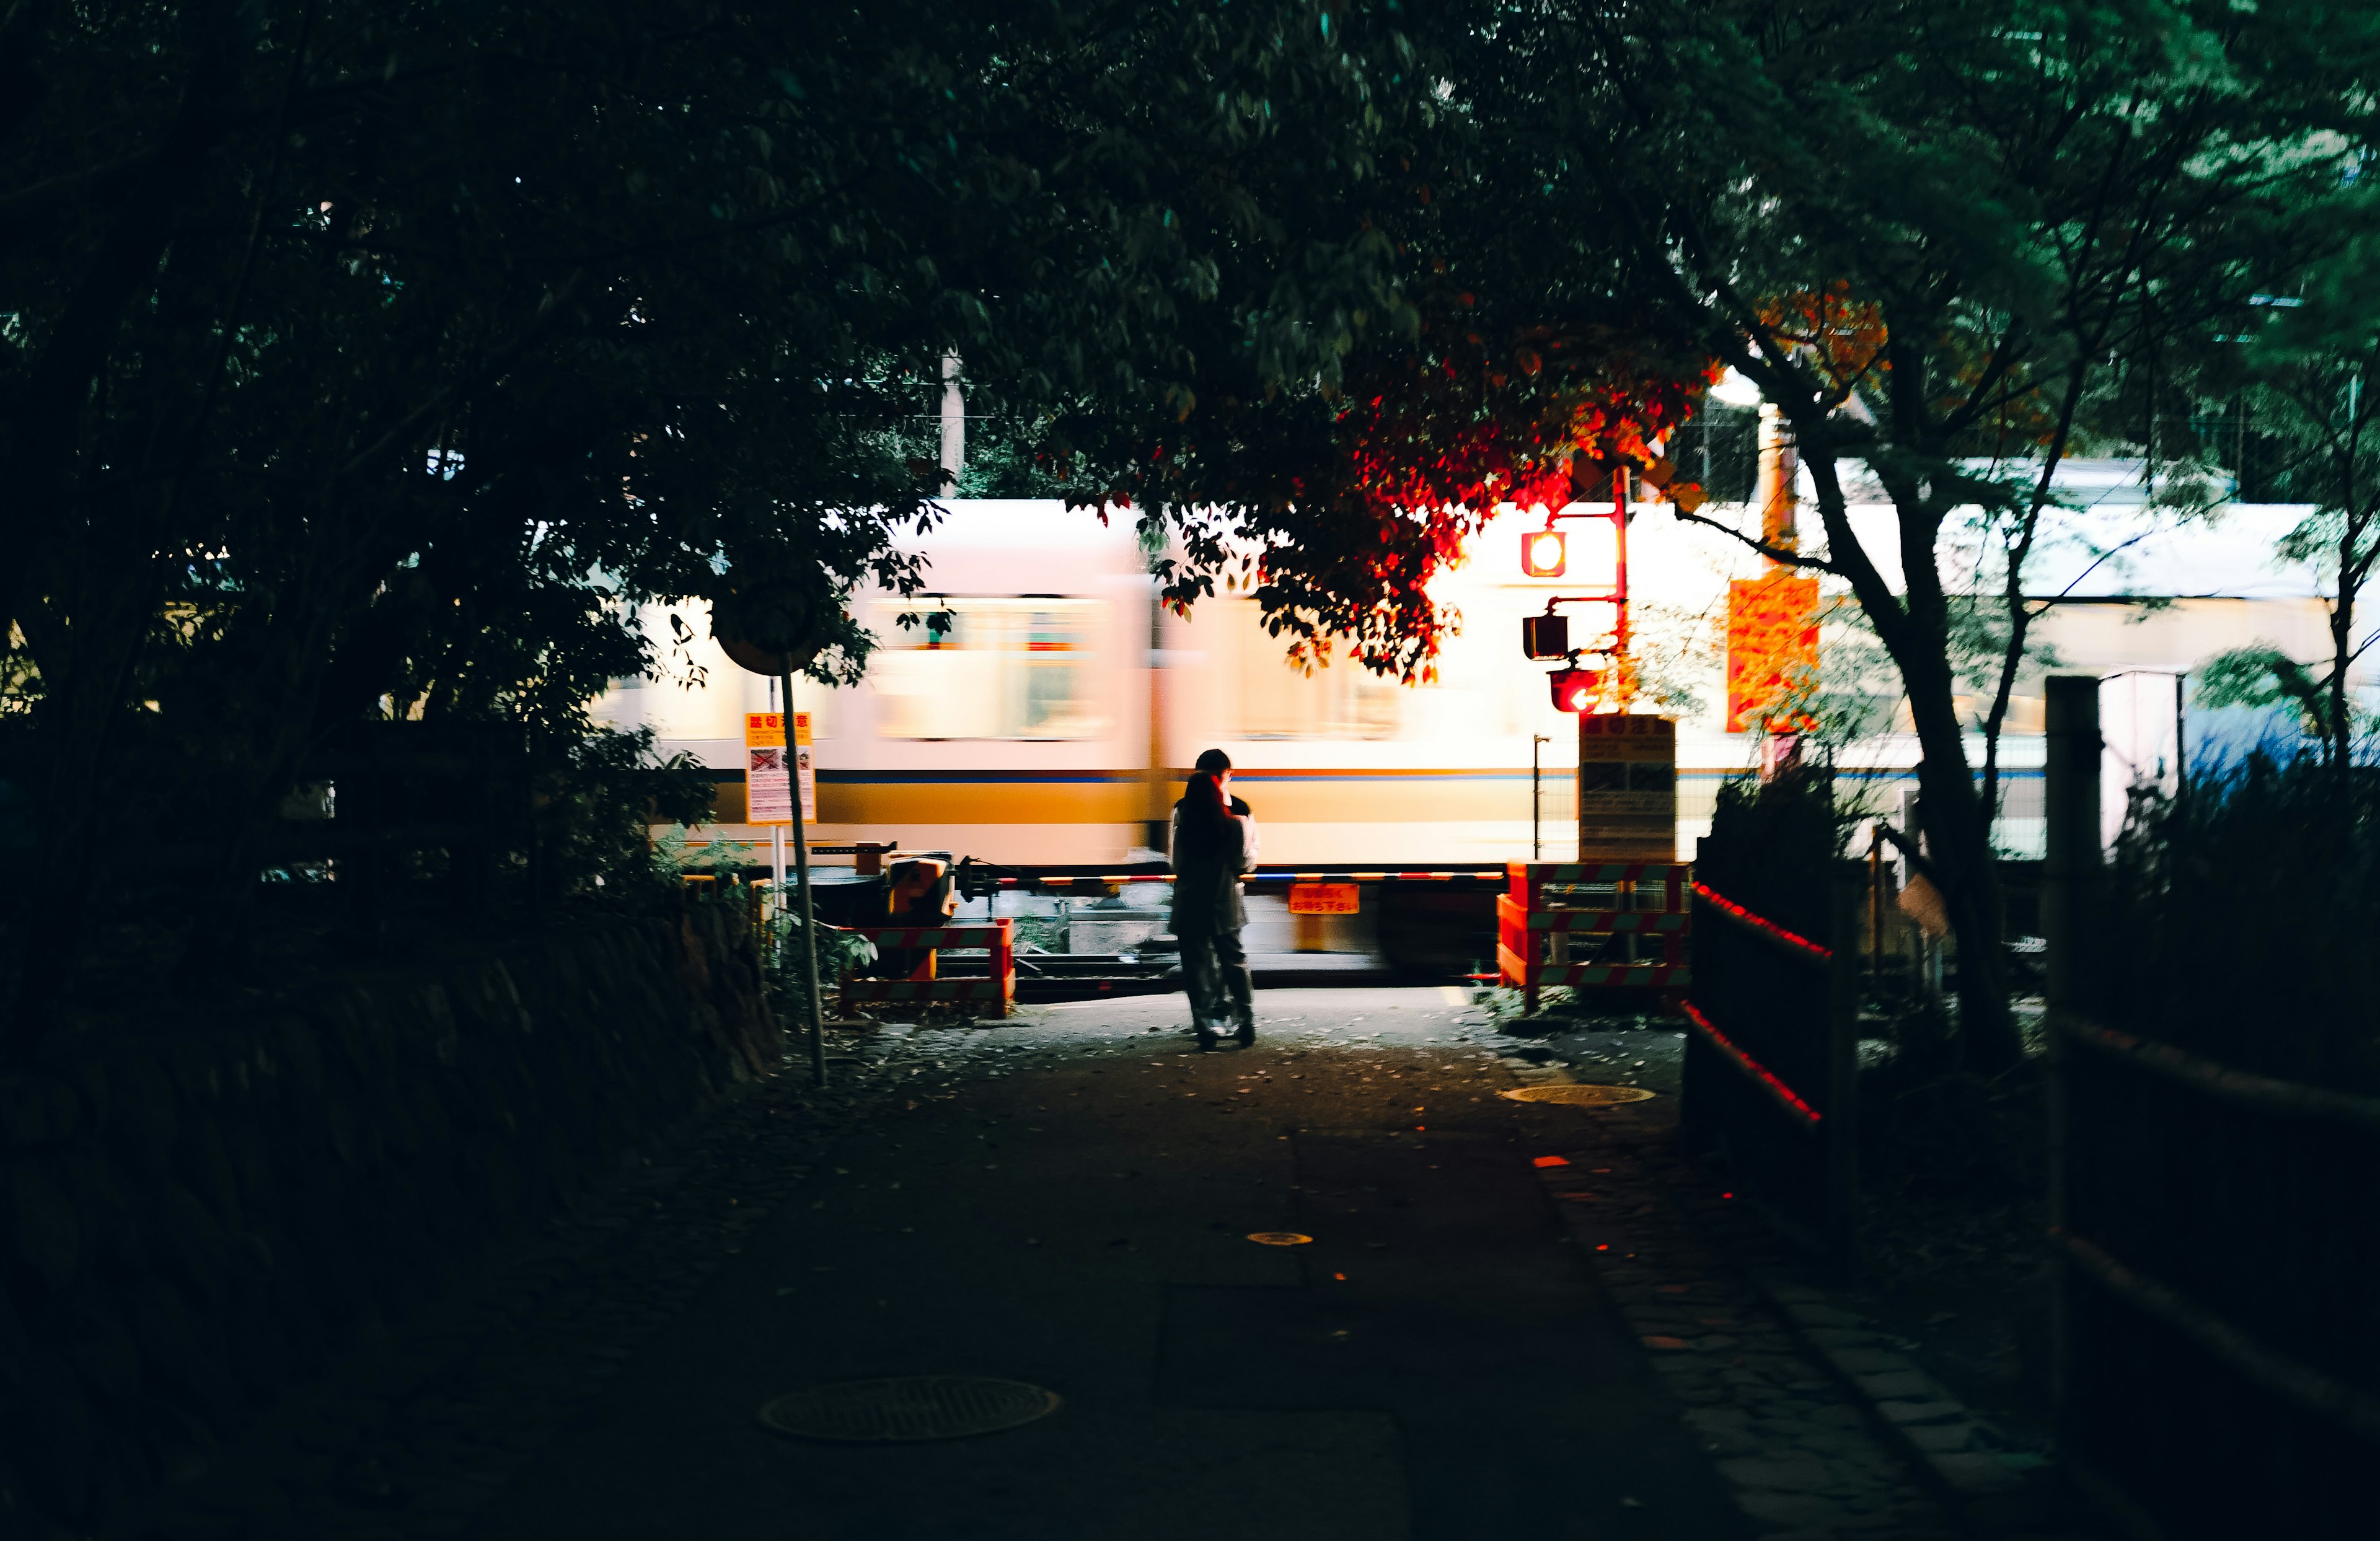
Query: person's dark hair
[
  {"x": 1205, "y": 796},
  {"x": 1204, "y": 817},
  {"x": 1212, "y": 760}
]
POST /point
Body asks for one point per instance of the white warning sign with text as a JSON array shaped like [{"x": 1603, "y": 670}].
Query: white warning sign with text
[{"x": 768, "y": 787}]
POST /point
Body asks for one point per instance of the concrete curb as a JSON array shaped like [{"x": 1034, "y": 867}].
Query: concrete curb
[{"x": 1992, "y": 1486}]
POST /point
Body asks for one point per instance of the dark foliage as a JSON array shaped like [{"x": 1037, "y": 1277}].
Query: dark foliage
[
  {"x": 2240, "y": 923},
  {"x": 370, "y": 364},
  {"x": 1772, "y": 845}
]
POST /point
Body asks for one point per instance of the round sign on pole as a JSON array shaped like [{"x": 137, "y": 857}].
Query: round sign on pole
[
  {"x": 759, "y": 661},
  {"x": 768, "y": 627},
  {"x": 771, "y": 628}
]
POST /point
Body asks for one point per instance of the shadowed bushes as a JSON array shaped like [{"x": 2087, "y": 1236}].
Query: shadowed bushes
[{"x": 2241, "y": 919}]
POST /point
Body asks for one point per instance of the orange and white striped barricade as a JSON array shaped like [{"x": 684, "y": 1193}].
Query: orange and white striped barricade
[
  {"x": 1650, "y": 901},
  {"x": 996, "y": 993}
]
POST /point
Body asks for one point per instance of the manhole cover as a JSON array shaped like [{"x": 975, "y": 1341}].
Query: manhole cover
[
  {"x": 908, "y": 1407},
  {"x": 1578, "y": 1096},
  {"x": 1278, "y": 1238}
]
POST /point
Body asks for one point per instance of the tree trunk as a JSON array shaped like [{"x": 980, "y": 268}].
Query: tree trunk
[
  {"x": 1958, "y": 829},
  {"x": 1958, "y": 837},
  {"x": 2342, "y": 652}
]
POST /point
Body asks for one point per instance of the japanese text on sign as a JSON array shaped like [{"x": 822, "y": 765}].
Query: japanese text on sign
[
  {"x": 768, "y": 789},
  {"x": 1322, "y": 899}
]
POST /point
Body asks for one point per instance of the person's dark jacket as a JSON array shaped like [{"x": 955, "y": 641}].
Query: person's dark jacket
[{"x": 1209, "y": 854}]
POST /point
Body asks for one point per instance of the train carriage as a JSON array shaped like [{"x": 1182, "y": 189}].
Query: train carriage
[{"x": 1041, "y": 704}]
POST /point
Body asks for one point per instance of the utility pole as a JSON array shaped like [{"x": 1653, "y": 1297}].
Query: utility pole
[
  {"x": 1536, "y": 804},
  {"x": 1776, "y": 491},
  {"x": 953, "y": 426},
  {"x": 802, "y": 875},
  {"x": 776, "y": 831},
  {"x": 1619, "y": 663},
  {"x": 1778, "y": 487}
]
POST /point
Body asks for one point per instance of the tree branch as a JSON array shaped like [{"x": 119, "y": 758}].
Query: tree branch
[
  {"x": 489, "y": 369},
  {"x": 1775, "y": 553},
  {"x": 1917, "y": 858}
]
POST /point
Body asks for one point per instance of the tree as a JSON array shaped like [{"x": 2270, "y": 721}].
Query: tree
[
  {"x": 2308, "y": 375},
  {"x": 347, "y": 340},
  {"x": 1377, "y": 368},
  {"x": 365, "y": 363},
  {"x": 1924, "y": 230}
]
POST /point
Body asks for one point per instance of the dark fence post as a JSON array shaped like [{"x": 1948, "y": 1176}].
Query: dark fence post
[
  {"x": 2073, "y": 870},
  {"x": 1842, "y": 1065},
  {"x": 2072, "y": 876},
  {"x": 1698, "y": 1075}
]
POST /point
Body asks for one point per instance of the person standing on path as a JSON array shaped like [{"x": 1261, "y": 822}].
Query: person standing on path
[{"x": 1214, "y": 842}]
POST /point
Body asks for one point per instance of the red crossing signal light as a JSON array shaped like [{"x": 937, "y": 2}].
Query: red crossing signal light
[{"x": 1576, "y": 689}]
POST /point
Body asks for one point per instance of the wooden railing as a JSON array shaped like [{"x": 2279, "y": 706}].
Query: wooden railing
[
  {"x": 1771, "y": 1067},
  {"x": 2215, "y": 1361}
]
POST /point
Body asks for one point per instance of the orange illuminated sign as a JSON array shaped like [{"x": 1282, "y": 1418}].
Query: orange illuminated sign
[
  {"x": 1772, "y": 644},
  {"x": 1322, "y": 899}
]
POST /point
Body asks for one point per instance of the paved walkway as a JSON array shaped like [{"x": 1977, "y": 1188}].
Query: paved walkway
[{"x": 1065, "y": 1200}]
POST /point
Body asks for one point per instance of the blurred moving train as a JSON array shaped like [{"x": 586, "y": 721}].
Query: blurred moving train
[{"x": 1050, "y": 716}]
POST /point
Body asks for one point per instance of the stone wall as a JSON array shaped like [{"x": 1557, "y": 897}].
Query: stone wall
[{"x": 193, "y": 1219}]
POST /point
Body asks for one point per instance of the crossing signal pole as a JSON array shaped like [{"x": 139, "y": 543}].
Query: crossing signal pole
[
  {"x": 1626, "y": 684},
  {"x": 1545, "y": 554}
]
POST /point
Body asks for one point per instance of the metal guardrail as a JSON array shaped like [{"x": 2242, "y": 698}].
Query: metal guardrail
[
  {"x": 978, "y": 879},
  {"x": 997, "y": 989}
]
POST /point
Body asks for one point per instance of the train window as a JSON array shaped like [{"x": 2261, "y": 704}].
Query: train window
[
  {"x": 987, "y": 668},
  {"x": 1278, "y": 700}
]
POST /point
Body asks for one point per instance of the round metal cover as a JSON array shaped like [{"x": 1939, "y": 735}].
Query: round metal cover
[
  {"x": 1579, "y": 1096},
  {"x": 1278, "y": 1238},
  {"x": 908, "y": 1407}
]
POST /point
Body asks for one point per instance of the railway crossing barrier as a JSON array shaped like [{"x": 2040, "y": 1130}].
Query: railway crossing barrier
[
  {"x": 1542, "y": 917},
  {"x": 978, "y": 880},
  {"x": 995, "y": 991},
  {"x": 1772, "y": 1055}
]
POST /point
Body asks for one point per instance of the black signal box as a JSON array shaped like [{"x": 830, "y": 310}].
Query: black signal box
[{"x": 1545, "y": 637}]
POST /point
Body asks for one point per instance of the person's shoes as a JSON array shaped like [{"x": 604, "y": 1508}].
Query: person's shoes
[
  {"x": 1206, "y": 1035},
  {"x": 1247, "y": 1032}
]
